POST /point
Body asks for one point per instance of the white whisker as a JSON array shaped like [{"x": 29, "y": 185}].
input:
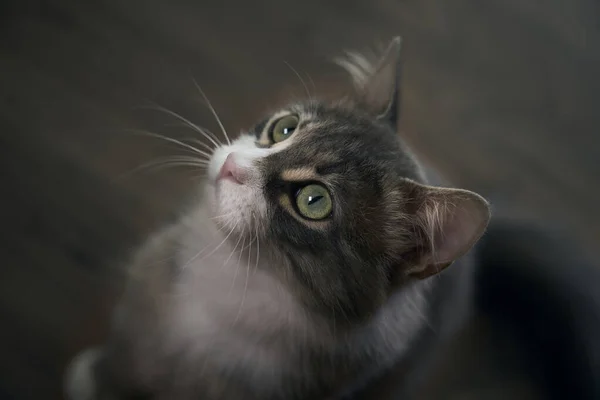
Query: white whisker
[
  {"x": 258, "y": 229},
  {"x": 169, "y": 139},
  {"x": 193, "y": 160},
  {"x": 169, "y": 164},
  {"x": 200, "y": 177},
  {"x": 212, "y": 252},
  {"x": 212, "y": 110},
  {"x": 221, "y": 244},
  {"x": 237, "y": 267},
  {"x": 158, "y": 165},
  {"x": 246, "y": 284},
  {"x": 257, "y": 248},
  {"x": 186, "y": 125},
  {"x": 223, "y": 215},
  {"x": 200, "y": 143},
  {"x": 300, "y": 78},
  {"x": 312, "y": 82},
  {"x": 207, "y": 134},
  {"x": 234, "y": 249}
]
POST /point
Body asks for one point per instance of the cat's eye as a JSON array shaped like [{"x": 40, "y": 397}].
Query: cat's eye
[
  {"x": 314, "y": 202},
  {"x": 284, "y": 128}
]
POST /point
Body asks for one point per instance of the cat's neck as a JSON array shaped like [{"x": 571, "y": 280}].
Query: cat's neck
[
  {"x": 389, "y": 338},
  {"x": 407, "y": 321},
  {"x": 408, "y": 346},
  {"x": 249, "y": 302}
]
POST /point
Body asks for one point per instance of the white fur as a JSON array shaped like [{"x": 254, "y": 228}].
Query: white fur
[
  {"x": 80, "y": 383},
  {"x": 236, "y": 206},
  {"x": 224, "y": 304},
  {"x": 360, "y": 67},
  {"x": 239, "y": 207}
]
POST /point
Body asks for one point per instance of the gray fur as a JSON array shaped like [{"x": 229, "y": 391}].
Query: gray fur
[{"x": 244, "y": 298}]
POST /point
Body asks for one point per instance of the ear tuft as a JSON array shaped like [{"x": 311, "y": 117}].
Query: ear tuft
[{"x": 378, "y": 82}]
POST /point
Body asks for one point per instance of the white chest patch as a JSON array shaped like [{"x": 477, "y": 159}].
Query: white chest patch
[{"x": 223, "y": 306}]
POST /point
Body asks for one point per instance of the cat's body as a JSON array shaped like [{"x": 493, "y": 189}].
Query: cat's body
[
  {"x": 197, "y": 327},
  {"x": 314, "y": 262}
]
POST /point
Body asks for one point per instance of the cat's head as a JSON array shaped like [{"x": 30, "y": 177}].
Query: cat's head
[{"x": 336, "y": 200}]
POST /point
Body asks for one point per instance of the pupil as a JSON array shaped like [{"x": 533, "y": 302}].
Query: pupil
[
  {"x": 287, "y": 131},
  {"x": 313, "y": 199}
]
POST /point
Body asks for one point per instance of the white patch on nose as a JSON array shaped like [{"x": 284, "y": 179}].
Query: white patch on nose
[{"x": 238, "y": 202}]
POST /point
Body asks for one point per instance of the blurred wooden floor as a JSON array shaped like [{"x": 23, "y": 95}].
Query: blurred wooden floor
[{"x": 503, "y": 95}]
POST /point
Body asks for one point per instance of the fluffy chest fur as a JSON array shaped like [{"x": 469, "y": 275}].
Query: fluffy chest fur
[
  {"x": 227, "y": 314},
  {"x": 226, "y": 308}
]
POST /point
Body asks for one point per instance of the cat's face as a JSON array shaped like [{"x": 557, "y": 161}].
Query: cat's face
[
  {"x": 313, "y": 184},
  {"x": 334, "y": 199}
]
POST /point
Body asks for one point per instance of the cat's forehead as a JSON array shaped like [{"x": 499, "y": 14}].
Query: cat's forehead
[
  {"x": 308, "y": 114},
  {"x": 316, "y": 120},
  {"x": 333, "y": 137}
]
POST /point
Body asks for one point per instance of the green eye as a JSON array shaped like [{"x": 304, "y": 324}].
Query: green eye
[
  {"x": 284, "y": 128},
  {"x": 314, "y": 202}
]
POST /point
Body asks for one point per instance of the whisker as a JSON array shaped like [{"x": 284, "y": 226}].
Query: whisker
[
  {"x": 223, "y": 215},
  {"x": 207, "y": 156},
  {"x": 258, "y": 228},
  {"x": 184, "y": 158},
  {"x": 312, "y": 82},
  {"x": 167, "y": 164},
  {"x": 237, "y": 267},
  {"x": 155, "y": 166},
  {"x": 246, "y": 284},
  {"x": 209, "y": 135},
  {"x": 242, "y": 251},
  {"x": 234, "y": 249},
  {"x": 257, "y": 248},
  {"x": 197, "y": 141},
  {"x": 186, "y": 125},
  {"x": 222, "y": 243},
  {"x": 215, "y": 249},
  {"x": 169, "y": 139},
  {"x": 250, "y": 243},
  {"x": 199, "y": 177},
  {"x": 200, "y": 143},
  {"x": 159, "y": 167},
  {"x": 300, "y": 78},
  {"x": 212, "y": 110}
]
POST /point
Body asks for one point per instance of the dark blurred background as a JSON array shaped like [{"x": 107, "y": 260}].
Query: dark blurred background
[{"x": 502, "y": 95}]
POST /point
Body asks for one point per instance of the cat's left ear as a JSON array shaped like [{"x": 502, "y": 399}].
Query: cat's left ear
[
  {"x": 447, "y": 222},
  {"x": 380, "y": 93}
]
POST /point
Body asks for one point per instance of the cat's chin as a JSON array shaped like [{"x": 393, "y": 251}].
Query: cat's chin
[{"x": 235, "y": 209}]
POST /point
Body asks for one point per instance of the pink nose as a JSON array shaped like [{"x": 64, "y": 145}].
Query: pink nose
[{"x": 231, "y": 171}]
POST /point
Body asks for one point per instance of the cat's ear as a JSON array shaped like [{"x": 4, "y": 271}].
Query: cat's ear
[
  {"x": 379, "y": 84},
  {"x": 447, "y": 223}
]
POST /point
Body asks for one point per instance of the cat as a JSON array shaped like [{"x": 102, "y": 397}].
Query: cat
[{"x": 317, "y": 258}]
